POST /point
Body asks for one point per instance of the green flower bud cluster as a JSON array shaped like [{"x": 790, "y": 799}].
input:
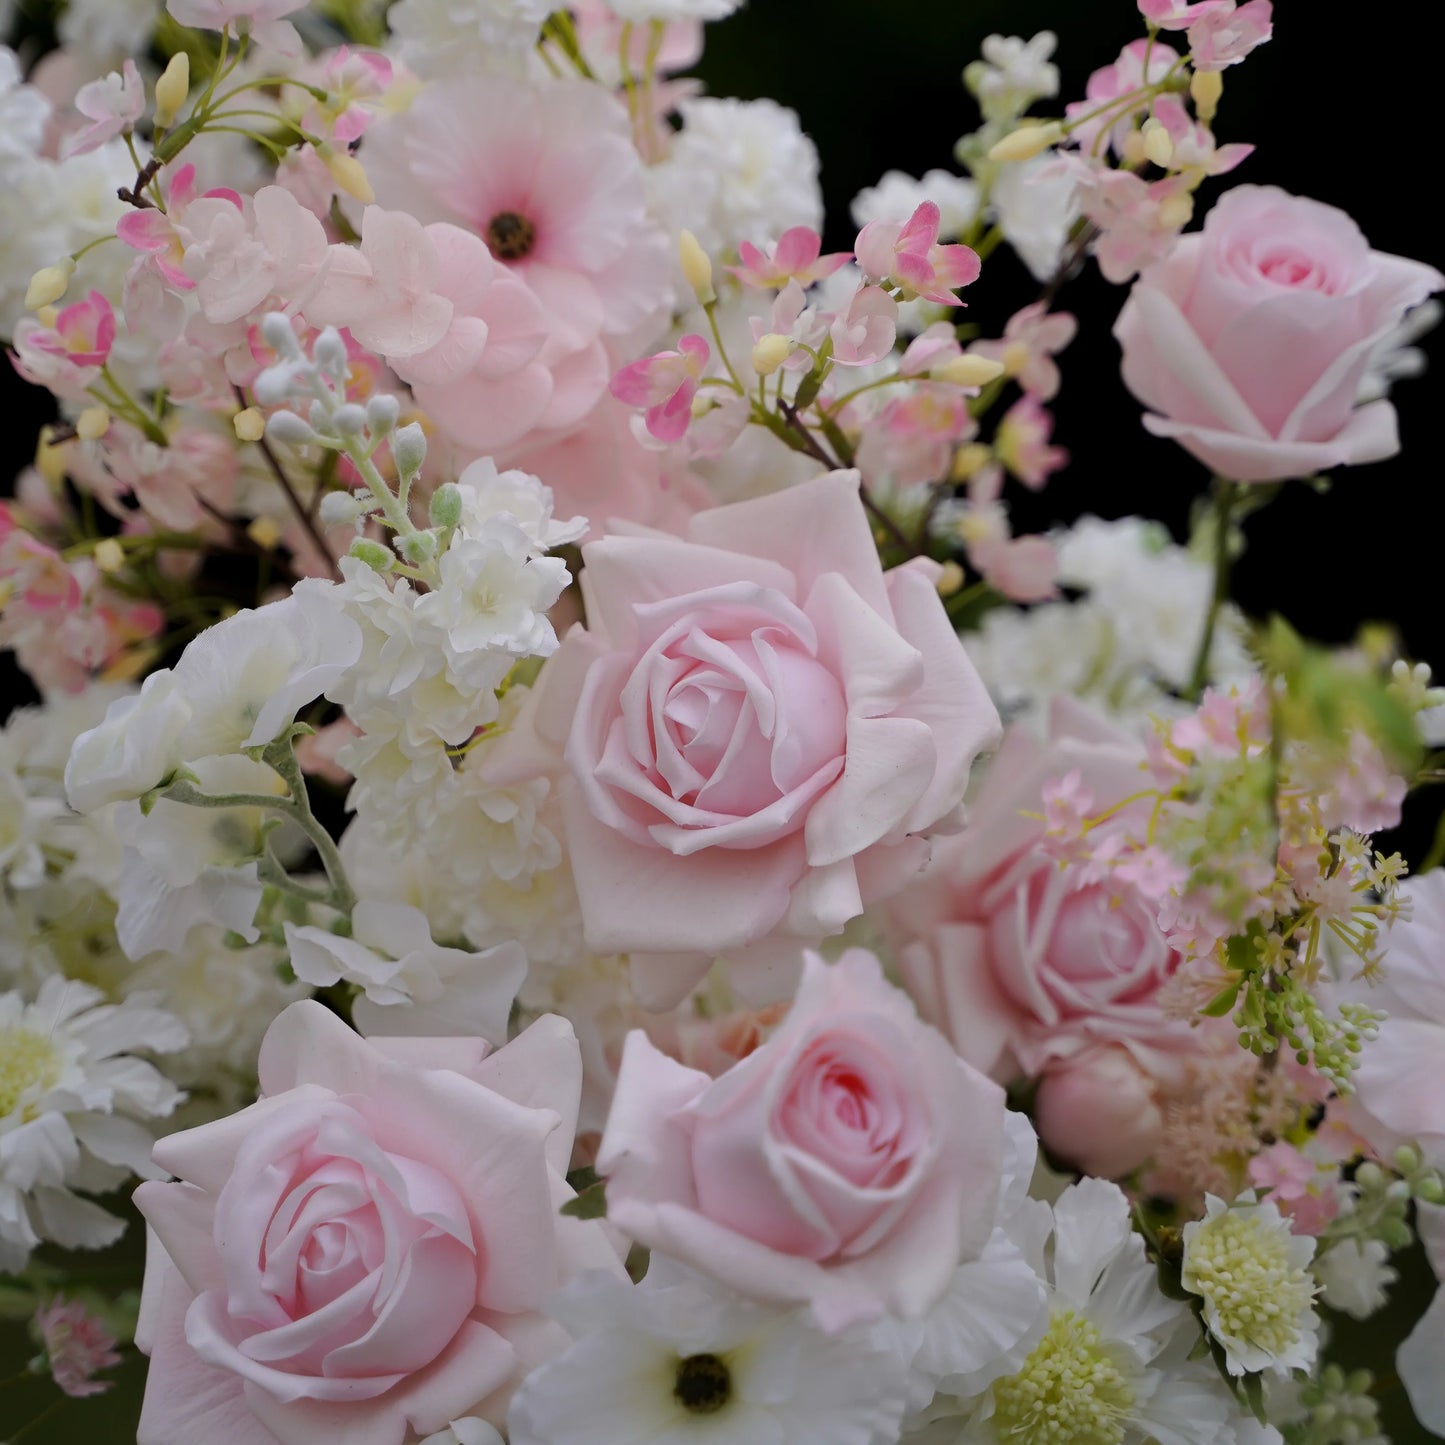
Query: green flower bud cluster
[{"x": 1338, "y": 1409}]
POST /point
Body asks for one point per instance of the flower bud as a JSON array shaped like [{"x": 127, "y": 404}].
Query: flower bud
[
  {"x": 289, "y": 429},
  {"x": 377, "y": 557},
  {"x": 381, "y": 412},
  {"x": 1158, "y": 145},
  {"x": 696, "y": 267},
  {"x": 48, "y": 284},
  {"x": 770, "y": 352},
  {"x": 1205, "y": 88},
  {"x": 278, "y": 335},
  {"x": 250, "y": 425},
  {"x": 109, "y": 555},
  {"x": 417, "y": 547},
  {"x": 445, "y": 509},
  {"x": 349, "y": 420},
  {"x": 968, "y": 460},
  {"x": 330, "y": 354},
  {"x": 950, "y": 579},
  {"x": 1026, "y": 142},
  {"x": 348, "y": 173},
  {"x": 92, "y": 423},
  {"x": 172, "y": 89},
  {"x": 340, "y": 509},
  {"x": 49, "y": 458},
  {"x": 1430, "y": 1188},
  {"x": 1175, "y": 211},
  {"x": 264, "y": 532},
  {"x": 1406, "y": 1159},
  {"x": 968, "y": 370},
  {"x": 408, "y": 448},
  {"x": 1369, "y": 1176}
]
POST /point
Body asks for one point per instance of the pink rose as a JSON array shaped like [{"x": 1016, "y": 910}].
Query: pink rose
[
  {"x": 852, "y": 1161},
  {"x": 364, "y": 1251},
  {"x": 1100, "y": 1111},
  {"x": 759, "y": 726},
  {"x": 1023, "y": 966},
  {"x": 1250, "y": 339}
]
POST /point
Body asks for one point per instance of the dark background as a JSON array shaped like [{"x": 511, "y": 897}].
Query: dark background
[{"x": 1342, "y": 106}]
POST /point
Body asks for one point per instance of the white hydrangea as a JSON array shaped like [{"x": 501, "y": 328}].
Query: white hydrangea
[
  {"x": 679, "y": 1357},
  {"x": 1252, "y": 1272},
  {"x": 99, "y": 34},
  {"x": 1033, "y": 201},
  {"x": 897, "y": 195},
  {"x": 1013, "y": 74},
  {"x": 463, "y": 37},
  {"x": 747, "y": 173},
  {"x": 73, "y": 1104}
]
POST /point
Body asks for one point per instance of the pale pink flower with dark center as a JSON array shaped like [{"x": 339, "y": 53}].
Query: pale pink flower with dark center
[
  {"x": 77, "y": 1345},
  {"x": 793, "y": 257},
  {"x": 908, "y": 255},
  {"x": 664, "y": 386},
  {"x": 111, "y": 104}
]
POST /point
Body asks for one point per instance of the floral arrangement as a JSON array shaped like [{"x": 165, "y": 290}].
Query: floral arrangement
[{"x": 574, "y": 878}]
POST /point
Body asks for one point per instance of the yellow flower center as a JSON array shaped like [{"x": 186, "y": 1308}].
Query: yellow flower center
[
  {"x": 1070, "y": 1391},
  {"x": 27, "y": 1060}
]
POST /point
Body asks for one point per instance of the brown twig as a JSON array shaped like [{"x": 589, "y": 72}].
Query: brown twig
[
  {"x": 1073, "y": 253},
  {"x": 135, "y": 194}
]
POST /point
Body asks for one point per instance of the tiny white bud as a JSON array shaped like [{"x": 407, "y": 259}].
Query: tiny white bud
[
  {"x": 92, "y": 423},
  {"x": 250, "y": 424},
  {"x": 320, "y": 414},
  {"x": 1158, "y": 145},
  {"x": 408, "y": 448},
  {"x": 696, "y": 267},
  {"x": 445, "y": 509},
  {"x": 968, "y": 370},
  {"x": 1205, "y": 89},
  {"x": 348, "y": 173},
  {"x": 349, "y": 420},
  {"x": 109, "y": 556},
  {"x": 340, "y": 509},
  {"x": 172, "y": 89},
  {"x": 381, "y": 412},
  {"x": 1026, "y": 142},
  {"x": 377, "y": 557},
  {"x": 264, "y": 532},
  {"x": 48, "y": 284},
  {"x": 417, "y": 547},
  {"x": 330, "y": 354},
  {"x": 277, "y": 333},
  {"x": 289, "y": 429},
  {"x": 770, "y": 351}
]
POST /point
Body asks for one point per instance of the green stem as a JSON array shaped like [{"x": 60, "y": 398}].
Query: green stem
[{"x": 1225, "y": 493}]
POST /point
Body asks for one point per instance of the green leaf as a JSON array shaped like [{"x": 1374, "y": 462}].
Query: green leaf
[
  {"x": 1251, "y": 1387},
  {"x": 591, "y": 1203},
  {"x": 1221, "y": 1003}
]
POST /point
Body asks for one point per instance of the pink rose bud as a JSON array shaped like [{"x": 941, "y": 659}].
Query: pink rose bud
[{"x": 1098, "y": 1111}]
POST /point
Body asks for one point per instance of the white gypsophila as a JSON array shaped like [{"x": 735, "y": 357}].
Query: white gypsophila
[
  {"x": 1013, "y": 73},
  {"x": 1420, "y": 1360},
  {"x": 518, "y": 496},
  {"x": 897, "y": 195},
  {"x": 679, "y": 1357},
  {"x": 238, "y": 685},
  {"x": 410, "y": 984},
  {"x": 1033, "y": 201},
  {"x": 185, "y": 866},
  {"x": 99, "y": 34},
  {"x": 73, "y": 1101},
  {"x": 1252, "y": 1272},
  {"x": 752, "y": 173},
  {"x": 1111, "y": 1363},
  {"x": 463, "y": 37},
  {"x": 1354, "y": 1276}
]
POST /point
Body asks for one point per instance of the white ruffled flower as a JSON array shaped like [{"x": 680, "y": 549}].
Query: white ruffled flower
[
  {"x": 1252, "y": 1272},
  {"x": 1013, "y": 74},
  {"x": 750, "y": 173},
  {"x": 72, "y": 1102},
  {"x": 1354, "y": 1276},
  {"x": 897, "y": 195},
  {"x": 1110, "y": 1363},
  {"x": 488, "y": 493},
  {"x": 1036, "y": 208},
  {"x": 410, "y": 984},
  {"x": 680, "y": 1358},
  {"x": 462, "y": 37}
]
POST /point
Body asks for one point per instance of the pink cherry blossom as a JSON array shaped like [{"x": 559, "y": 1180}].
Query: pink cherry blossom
[
  {"x": 112, "y": 104},
  {"x": 1139, "y": 221},
  {"x": 911, "y": 439},
  {"x": 932, "y": 347},
  {"x": 1112, "y": 83},
  {"x": 161, "y": 235},
  {"x": 77, "y": 1347},
  {"x": 865, "y": 332},
  {"x": 1022, "y": 443},
  {"x": 1028, "y": 345},
  {"x": 261, "y": 19},
  {"x": 1180, "y": 14},
  {"x": 791, "y": 316},
  {"x": 908, "y": 255},
  {"x": 664, "y": 386},
  {"x": 356, "y": 82},
  {"x": 1194, "y": 147},
  {"x": 1297, "y": 1185},
  {"x": 1224, "y": 37},
  {"x": 794, "y": 257},
  {"x": 83, "y": 333}
]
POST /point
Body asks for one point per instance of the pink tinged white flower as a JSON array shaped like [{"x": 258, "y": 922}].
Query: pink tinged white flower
[
  {"x": 83, "y": 333},
  {"x": 112, "y": 105},
  {"x": 794, "y": 257},
  {"x": 1224, "y": 36},
  {"x": 1027, "y": 348},
  {"x": 908, "y": 255},
  {"x": 78, "y": 1346},
  {"x": 1139, "y": 221},
  {"x": 1193, "y": 143},
  {"x": 262, "y": 20},
  {"x": 1142, "y": 62},
  {"x": 1302, "y": 1189},
  {"x": 1249, "y": 341},
  {"x": 865, "y": 332},
  {"x": 1022, "y": 443},
  {"x": 727, "y": 715},
  {"x": 160, "y": 235},
  {"x": 791, "y": 316},
  {"x": 663, "y": 386},
  {"x": 356, "y": 81},
  {"x": 911, "y": 440},
  {"x": 331, "y": 1265},
  {"x": 850, "y": 1163},
  {"x": 1181, "y": 14}
]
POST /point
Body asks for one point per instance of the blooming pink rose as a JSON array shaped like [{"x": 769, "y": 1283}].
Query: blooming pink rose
[
  {"x": 759, "y": 726},
  {"x": 1250, "y": 338},
  {"x": 851, "y": 1162},
  {"x": 362, "y": 1253},
  {"x": 1024, "y": 966}
]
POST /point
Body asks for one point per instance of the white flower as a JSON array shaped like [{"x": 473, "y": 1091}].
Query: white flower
[
  {"x": 639, "y": 12},
  {"x": 487, "y": 493},
  {"x": 99, "y": 34},
  {"x": 1111, "y": 1362},
  {"x": 680, "y": 1358},
  {"x": 469, "y": 1431},
  {"x": 72, "y": 1099},
  {"x": 897, "y": 195},
  {"x": 411, "y": 985},
  {"x": 1420, "y": 1361},
  {"x": 751, "y": 173},
  {"x": 1354, "y": 1276},
  {"x": 1036, "y": 208},
  {"x": 456, "y": 37},
  {"x": 1252, "y": 1273},
  {"x": 1013, "y": 74},
  {"x": 132, "y": 749}
]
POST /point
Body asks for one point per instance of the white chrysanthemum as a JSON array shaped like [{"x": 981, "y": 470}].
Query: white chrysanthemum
[
  {"x": 1355, "y": 1275},
  {"x": 1252, "y": 1272},
  {"x": 1013, "y": 74},
  {"x": 1110, "y": 1365},
  {"x": 463, "y": 37},
  {"x": 751, "y": 173},
  {"x": 897, "y": 195},
  {"x": 72, "y": 1102},
  {"x": 680, "y": 1358},
  {"x": 410, "y": 984}
]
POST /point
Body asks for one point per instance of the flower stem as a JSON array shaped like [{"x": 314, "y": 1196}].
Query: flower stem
[{"x": 1225, "y": 494}]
